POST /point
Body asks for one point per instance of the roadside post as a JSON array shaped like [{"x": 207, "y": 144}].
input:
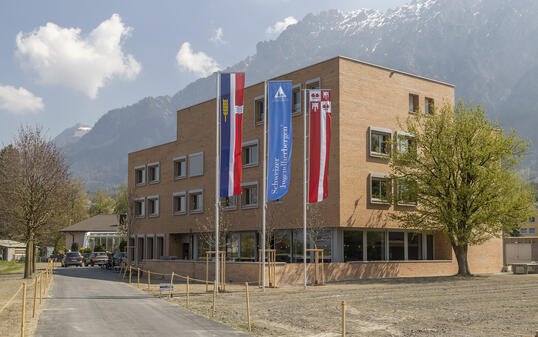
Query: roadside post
[
  {"x": 343, "y": 318},
  {"x": 40, "y": 287},
  {"x": 248, "y": 307},
  {"x": 130, "y": 273},
  {"x": 187, "y": 291},
  {"x": 214, "y": 295},
  {"x": 35, "y": 296},
  {"x": 23, "y": 308},
  {"x": 149, "y": 280},
  {"x": 138, "y": 277},
  {"x": 171, "y": 286}
]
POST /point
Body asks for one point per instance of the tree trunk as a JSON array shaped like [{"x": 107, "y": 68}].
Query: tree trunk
[
  {"x": 28, "y": 258},
  {"x": 461, "y": 257},
  {"x": 34, "y": 254}
]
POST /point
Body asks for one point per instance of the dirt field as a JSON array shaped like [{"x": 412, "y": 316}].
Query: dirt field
[
  {"x": 10, "y": 319},
  {"x": 493, "y": 305}
]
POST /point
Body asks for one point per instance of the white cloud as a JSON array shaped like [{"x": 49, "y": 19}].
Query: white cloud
[
  {"x": 62, "y": 56},
  {"x": 199, "y": 63},
  {"x": 217, "y": 37},
  {"x": 19, "y": 101},
  {"x": 280, "y": 26}
]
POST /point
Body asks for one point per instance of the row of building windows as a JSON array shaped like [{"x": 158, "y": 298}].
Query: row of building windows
[
  {"x": 381, "y": 186},
  {"x": 528, "y": 231},
  {"x": 151, "y": 172},
  {"x": 414, "y": 106},
  {"x": 192, "y": 201},
  {"x": 358, "y": 245},
  {"x": 381, "y": 142}
]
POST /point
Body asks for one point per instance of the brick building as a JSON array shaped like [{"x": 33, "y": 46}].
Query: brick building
[{"x": 173, "y": 185}]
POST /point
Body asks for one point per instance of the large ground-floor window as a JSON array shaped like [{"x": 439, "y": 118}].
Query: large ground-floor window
[{"x": 387, "y": 245}]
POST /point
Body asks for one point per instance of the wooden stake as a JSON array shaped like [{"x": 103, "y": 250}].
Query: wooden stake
[
  {"x": 248, "y": 307},
  {"x": 138, "y": 277},
  {"x": 206, "y": 271},
  {"x": 187, "y": 291},
  {"x": 149, "y": 280},
  {"x": 171, "y": 285},
  {"x": 35, "y": 296},
  {"x": 23, "y": 308},
  {"x": 343, "y": 318},
  {"x": 214, "y": 295},
  {"x": 130, "y": 273},
  {"x": 40, "y": 287}
]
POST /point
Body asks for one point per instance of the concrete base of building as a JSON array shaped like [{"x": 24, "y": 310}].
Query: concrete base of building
[{"x": 292, "y": 273}]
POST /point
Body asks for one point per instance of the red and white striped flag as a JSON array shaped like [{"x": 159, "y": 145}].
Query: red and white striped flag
[{"x": 320, "y": 141}]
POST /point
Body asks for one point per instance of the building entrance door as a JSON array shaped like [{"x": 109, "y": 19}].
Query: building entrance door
[{"x": 186, "y": 251}]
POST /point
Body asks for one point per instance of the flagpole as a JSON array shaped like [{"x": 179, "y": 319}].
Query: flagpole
[
  {"x": 217, "y": 183},
  {"x": 304, "y": 189},
  {"x": 264, "y": 208}
]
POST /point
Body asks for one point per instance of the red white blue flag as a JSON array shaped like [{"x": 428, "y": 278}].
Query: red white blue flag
[
  {"x": 320, "y": 141},
  {"x": 232, "y": 87}
]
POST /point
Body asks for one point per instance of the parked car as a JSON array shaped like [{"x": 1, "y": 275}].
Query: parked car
[
  {"x": 86, "y": 258},
  {"x": 72, "y": 259},
  {"x": 98, "y": 258},
  {"x": 117, "y": 259}
]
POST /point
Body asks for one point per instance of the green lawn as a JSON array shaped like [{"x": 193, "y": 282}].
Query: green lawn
[{"x": 6, "y": 266}]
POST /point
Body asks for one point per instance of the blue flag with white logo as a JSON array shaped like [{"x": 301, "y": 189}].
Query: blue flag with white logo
[{"x": 280, "y": 139}]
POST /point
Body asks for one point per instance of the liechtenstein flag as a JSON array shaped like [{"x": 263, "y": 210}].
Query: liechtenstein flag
[{"x": 231, "y": 96}]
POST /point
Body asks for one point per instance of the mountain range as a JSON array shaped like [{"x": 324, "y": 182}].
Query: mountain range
[{"x": 487, "y": 48}]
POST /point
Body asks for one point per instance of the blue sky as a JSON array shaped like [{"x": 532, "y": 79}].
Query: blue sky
[{"x": 64, "y": 62}]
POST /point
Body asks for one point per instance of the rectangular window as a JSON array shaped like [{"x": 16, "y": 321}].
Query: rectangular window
[
  {"x": 396, "y": 246},
  {"x": 429, "y": 247},
  {"x": 140, "y": 175},
  {"x": 380, "y": 141},
  {"x": 282, "y": 241},
  {"x": 196, "y": 164},
  {"x": 413, "y": 103},
  {"x": 428, "y": 106},
  {"x": 406, "y": 142},
  {"x": 229, "y": 203},
  {"x": 153, "y": 206},
  {"x": 353, "y": 245},
  {"x": 523, "y": 230},
  {"x": 258, "y": 110},
  {"x": 379, "y": 189},
  {"x": 414, "y": 246},
  {"x": 296, "y": 99},
  {"x": 153, "y": 173},
  {"x": 179, "y": 203},
  {"x": 406, "y": 193},
  {"x": 533, "y": 219},
  {"x": 196, "y": 201},
  {"x": 375, "y": 246},
  {"x": 249, "y": 195},
  {"x": 248, "y": 246},
  {"x": 180, "y": 167},
  {"x": 160, "y": 247},
  {"x": 532, "y": 230},
  {"x": 140, "y": 207},
  {"x": 232, "y": 246},
  {"x": 250, "y": 153}
]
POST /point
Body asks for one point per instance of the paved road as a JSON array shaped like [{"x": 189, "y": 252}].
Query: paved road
[{"x": 91, "y": 302}]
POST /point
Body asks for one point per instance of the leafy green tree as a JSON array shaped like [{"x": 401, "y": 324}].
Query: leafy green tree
[
  {"x": 101, "y": 203},
  {"x": 460, "y": 168},
  {"x": 121, "y": 196}
]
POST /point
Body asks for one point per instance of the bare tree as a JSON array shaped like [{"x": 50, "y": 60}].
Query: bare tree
[
  {"x": 207, "y": 229},
  {"x": 34, "y": 188},
  {"x": 317, "y": 224}
]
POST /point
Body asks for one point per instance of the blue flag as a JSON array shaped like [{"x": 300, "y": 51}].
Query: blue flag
[{"x": 280, "y": 139}]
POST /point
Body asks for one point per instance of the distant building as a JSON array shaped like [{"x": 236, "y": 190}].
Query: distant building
[
  {"x": 173, "y": 185},
  {"x": 102, "y": 230},
  {"x": 12, "y": 250}
]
